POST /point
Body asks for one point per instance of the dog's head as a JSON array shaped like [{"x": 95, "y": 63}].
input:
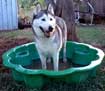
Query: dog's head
[{"x": 44, "y": 21}]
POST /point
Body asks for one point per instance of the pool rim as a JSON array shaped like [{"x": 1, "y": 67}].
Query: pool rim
[{"x": 23, "y": 70}]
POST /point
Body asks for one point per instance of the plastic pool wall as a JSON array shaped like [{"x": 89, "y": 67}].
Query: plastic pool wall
[{"x": 85, "y": 55}]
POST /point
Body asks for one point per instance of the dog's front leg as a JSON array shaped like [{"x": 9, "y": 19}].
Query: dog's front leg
[
  {"x": 43, "y": 60},
  {"x": 56, "y": 61}
]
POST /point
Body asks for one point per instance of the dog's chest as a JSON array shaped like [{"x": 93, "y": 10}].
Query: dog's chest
[{"x": 47, "y": 46}]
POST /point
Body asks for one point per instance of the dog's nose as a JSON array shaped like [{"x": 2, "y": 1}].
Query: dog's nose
[{"x": 50, "y": 28}]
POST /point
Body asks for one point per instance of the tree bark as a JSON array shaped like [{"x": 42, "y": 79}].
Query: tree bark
[{"x": 65, "y": 9}]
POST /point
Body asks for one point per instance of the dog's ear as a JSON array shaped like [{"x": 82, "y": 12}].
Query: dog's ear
[
  {"x": 50, "y": 9},
  {"x": 34, "y": 16},
  {"x": 37, "y": 9}
]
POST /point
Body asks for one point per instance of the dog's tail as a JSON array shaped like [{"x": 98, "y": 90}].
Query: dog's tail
[
  {"x": 64, "y": 40},
  {"x": 61, "y": 23}
]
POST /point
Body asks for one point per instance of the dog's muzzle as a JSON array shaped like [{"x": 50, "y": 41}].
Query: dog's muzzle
[
  {"x": 50, "y": 29},
  {"x": 49, "y": 32}
]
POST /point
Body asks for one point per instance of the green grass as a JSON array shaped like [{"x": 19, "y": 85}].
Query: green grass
[
  {"x": 92, "y": 35},
  {"x": 86, "y": 34},
  {"x": 26, "y": 33}
]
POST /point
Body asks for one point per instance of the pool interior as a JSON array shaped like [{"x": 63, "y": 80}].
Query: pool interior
[
  {"x": 77, "y": 56},
  {"x": 36, "y": 64}
]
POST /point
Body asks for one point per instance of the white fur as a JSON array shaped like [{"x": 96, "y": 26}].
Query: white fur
[
  {"x": 44, "y": 24},
  {"x": 47, "y": 47}
]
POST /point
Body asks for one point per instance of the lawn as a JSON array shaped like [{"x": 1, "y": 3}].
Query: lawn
[
  {"x": 86, "y": 34},
  {"x": 26, "y": 33},
  {"x": 94, "y": 35}
]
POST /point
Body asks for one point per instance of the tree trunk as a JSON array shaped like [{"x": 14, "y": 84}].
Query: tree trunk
[{"x": 65, "y": 9}]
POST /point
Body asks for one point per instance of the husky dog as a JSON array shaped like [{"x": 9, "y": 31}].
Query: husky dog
[{"x": 50, "y": 35}]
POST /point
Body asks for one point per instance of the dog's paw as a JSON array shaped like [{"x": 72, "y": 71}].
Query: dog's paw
[
  {"x": 49, "y": 60},
  {"x": 64, "y": 60},
  {"x": 44, "y": 67}
]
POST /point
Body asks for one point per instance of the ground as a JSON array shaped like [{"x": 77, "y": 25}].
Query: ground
[{"x": 94, "y": 35}]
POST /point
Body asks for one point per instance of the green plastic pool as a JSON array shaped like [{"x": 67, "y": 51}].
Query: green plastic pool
[{"x": 79, "y": 53}]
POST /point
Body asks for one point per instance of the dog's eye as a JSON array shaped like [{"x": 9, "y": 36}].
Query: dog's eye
[
  {"x": 51, "y": 19},
  {"x": 43, "y": 19}
]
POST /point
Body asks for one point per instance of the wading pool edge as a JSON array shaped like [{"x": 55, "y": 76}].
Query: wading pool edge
[{"x": 80, "y": 53}]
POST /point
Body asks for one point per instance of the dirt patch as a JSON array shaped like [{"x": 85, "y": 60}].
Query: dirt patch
[{"x": 8, "y": 43}]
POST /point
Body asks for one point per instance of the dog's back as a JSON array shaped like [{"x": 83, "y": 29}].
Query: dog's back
[{"x": 61, "y": 23}]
